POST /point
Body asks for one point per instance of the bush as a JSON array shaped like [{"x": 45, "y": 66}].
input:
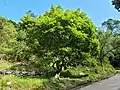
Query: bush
[{"x": 91, "y": 71}]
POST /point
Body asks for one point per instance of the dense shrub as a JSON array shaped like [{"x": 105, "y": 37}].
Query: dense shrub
[{"x": 76, "y": 77}]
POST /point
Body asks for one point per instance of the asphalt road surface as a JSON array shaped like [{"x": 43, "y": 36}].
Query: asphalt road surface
[{"x": 112, "y": 83}]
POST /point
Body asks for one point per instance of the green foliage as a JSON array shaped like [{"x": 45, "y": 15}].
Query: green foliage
[
  {"x": 7, "y": 36},
  {"x": 11, "y": 82},
  {"x": 5, "y": 65},
  {"x": 75, "y": 77},
  {"x": 60, "y": 37},
  {"x": 113, "y": 25},
  {"x": 110, "y": 40},
  {"x": 72, "y": 82},
  {"x": 63, "y": 40},
  {"x": 116, "y": 3}
]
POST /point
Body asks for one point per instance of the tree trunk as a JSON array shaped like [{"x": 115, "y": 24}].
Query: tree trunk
[{"x": 57, "y": 75}]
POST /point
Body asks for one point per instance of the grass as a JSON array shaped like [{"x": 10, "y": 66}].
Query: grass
[
  {"x": 72, "y": 83},
  {"x": 93, "y": 73},
  {"x": 74, "y": 77},
  {"x": 18, "y": 83},
  {"x": 21, "y": 66},
  {"x": 11, "y": 82},
  {"x": 15, "y": 66},
  {"x": 5, "y": 65}
]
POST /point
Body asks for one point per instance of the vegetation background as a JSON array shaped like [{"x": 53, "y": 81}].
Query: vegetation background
[{"x": 58, "y": 50}]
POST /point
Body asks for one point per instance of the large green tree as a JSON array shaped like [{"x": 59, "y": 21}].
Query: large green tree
[{"x": 61, "y": 38}]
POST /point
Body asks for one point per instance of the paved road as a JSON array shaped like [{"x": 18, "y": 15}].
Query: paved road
[{"x": 112, "y": 83}]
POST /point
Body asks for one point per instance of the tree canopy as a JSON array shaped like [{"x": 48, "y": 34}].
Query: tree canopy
[
  {"x": 62, "y": 38},
  {"x": 110, "y": 40},
  {"x": 7, "y": 35}
]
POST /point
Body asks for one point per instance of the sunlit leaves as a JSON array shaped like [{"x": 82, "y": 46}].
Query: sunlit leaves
[
  {"x": 64, "y": 36},
  {"x": 7, "y": 34}
]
